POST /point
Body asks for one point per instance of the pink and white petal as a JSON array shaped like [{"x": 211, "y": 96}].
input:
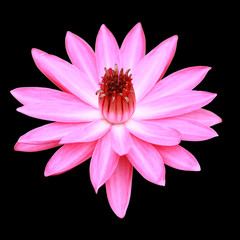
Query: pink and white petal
[
  {"x": 121, "y": 140},
  {"x": 152, "y": 67},
  {"x": 83, "y": 57},
  {"x": 61, "y": 112},
  {"x": 106, "y": 50},
  {"x": 178, "y": 157},
  {"x": 66, "y": 76},
  {"x": 118, "y": 187},
  {"x": 103, "y": 163},
  {"x": 68, "y": 157},
  {"x": 147, "y": 161},
  {"x": 154, "y": 133},
  {"x": 133, "y": 47},
  {"x": 185, "y": 79},
  {"x": 189, "y": 129},
  {"x": 87, "y": 132},
  {"x": 203, "y": 116},
  {"x": 30, "y": 95},
  {"x": 29, "y": 147},
  {"x": 48, "y": 133},
  {"x": 173, "y": 105}
]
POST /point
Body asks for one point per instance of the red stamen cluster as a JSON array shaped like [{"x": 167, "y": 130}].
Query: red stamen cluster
[
  {"x": 116, "y": 95},
  {"x": 114, "y": 83}
]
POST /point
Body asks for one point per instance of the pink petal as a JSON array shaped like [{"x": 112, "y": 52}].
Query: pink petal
[
  {"x": 66, "y": 76},
  {"x": 173, "y": 105},
  {"x": 133, "y": 47},
  {"x": 61, "y": 112},
  {"x": 190, "y": 130},
  {"x": 121, "y": 140},
  {"x": 154, "y": 133},
  {"x": 203, "y": 116},
  {"x": 152, "y": 67},
  {"x": 185, "y": 79},
  {"x": 48, "y": 133},
  {"x": 68, "y": 157},
  {"x": 147, "y": 161},
  {"x": 87, "y": 132},
  {"x": 107, "y": 51},
  {"x": 83, "y": 57},
  {"x": 118, "y": 187},
  {"x": 178, "y": 157},
  {"x": 30, "y": 95},
  {"x": 104, "y": 162},
  {"x": 28, "y": 147}
]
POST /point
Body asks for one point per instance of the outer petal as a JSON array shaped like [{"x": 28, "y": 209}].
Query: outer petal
[
  {"x": 203, "y": 116},
  {"x": 121, "y": 140},
  {"x": 103, "y": 163},
  {"x": 48, "y": 133},
  {"x": 178, "y": 157},
  {"x": 154, "y": 133},
  {"x": 147, "y": 161},
  {"x": 66, "y": 76},
  {"x": 87, "y": 132},
  {"x": 107, "y": 51},
  {"x": 190, "y": 130},
  {"x": 185, "y": 79},
  {"x": 28, "y": 147},
  {"x": 61, "y": 111},
  {"x": 173, "y": 105},
  {"x": 152, "y": 67},
  {"x": 82, "y": 56},
  {"x": 133, "y": 47},
  {"x": 118, "y": 187},
  {"x": 30, "y": 95},
  {"x": 68, "y": 157}
]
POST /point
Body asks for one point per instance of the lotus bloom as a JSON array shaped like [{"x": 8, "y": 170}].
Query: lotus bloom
[{"x": 115, "y": 106}]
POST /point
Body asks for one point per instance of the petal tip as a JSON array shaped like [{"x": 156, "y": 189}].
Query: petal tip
[
  {"x": 120, "y": 214},
  {"x": 37, "y": 52},
  {"x": 69, "y": 36},
  {"x": 47, "y": 171},
  {"x": 162, "y": 182},
  {"x": 95, "y": 185},
  {"x": 103, "y": 28},
  {"x": 19, "y": 109},
  {"x": 16, "y": 147},
  {"x": 37, "y": 55},
  {"x": 13, "y": 92},
  {"x": 139, "y": 25},
  {"x": 96, "y": 189},
  {"x": 46, "y": 174},
  {"x": 175, "y": 37},
  {"x": 196, "y": 168},
  {"x": 214, "y": 95}
]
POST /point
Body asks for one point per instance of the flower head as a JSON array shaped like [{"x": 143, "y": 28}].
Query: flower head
[{"x": 115, "y": 106}]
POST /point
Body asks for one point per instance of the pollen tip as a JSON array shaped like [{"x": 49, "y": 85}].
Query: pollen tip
[
  {"x": 116, "y": 68},
  {"x": 107, "y": 72},
  {"x": 102, "y": 95},
  {"x": 99, "y": 91}
]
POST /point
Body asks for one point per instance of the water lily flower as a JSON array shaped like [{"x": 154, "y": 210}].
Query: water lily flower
[{"x": 114, "y": 106}]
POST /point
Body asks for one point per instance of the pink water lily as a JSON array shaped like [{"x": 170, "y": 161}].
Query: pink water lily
[{"x": 115, "y": 106}]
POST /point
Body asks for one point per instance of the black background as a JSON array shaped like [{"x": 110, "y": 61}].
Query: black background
[{"x": 191, "y": 203}]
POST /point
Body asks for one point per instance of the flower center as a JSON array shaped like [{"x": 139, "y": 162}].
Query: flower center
[{"x": 116, "y": 95}]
